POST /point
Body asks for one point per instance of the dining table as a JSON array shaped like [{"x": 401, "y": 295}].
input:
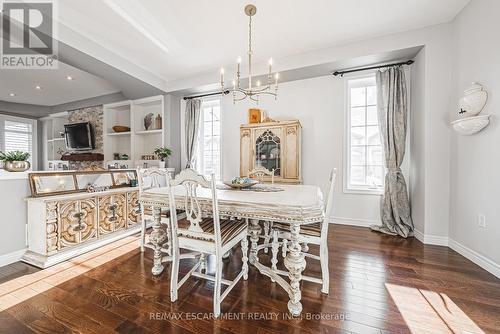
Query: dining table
[{"x": 292, "y": 204}]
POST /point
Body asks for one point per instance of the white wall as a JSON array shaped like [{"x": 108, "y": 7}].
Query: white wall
[
  {"x": 14, "y": 216},
  {"x": 475, "y": 160},
  {"x": 319, "y": 105}
]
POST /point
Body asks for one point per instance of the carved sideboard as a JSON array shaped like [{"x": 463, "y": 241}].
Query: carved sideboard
[
  {"x": 274, "y": 145},
  {"x": 65, "y": 225}
]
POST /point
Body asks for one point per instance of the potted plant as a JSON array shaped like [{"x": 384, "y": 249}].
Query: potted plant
[
  {"x": 163, "y": 153},
  {"x": 15, "y": 161}
]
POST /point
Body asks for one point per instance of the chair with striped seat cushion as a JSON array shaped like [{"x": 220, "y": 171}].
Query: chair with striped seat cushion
[
  {"x": 228, "y": 229},
  {"x": 206, "y": 235},
  {"x": 316, "y": 234}
]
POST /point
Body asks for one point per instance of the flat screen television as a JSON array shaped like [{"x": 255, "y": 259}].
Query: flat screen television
[{"x": 79, "y": 136}]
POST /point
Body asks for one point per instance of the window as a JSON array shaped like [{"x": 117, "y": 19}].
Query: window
[
  {"x": 208, "y": 159},
  {"x": 364, "y": 170},
  {"x": 18, "y": 134}
]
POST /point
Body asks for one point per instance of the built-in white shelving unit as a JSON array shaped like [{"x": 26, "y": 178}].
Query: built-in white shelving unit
[
  {"x": 139, "y": 141},
  {"x": 54, "y": 141}
]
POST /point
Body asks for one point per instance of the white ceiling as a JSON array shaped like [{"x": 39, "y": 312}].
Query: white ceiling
[
  {"x": 56, "y": 89},
  {"x": 178, "y": 39}
]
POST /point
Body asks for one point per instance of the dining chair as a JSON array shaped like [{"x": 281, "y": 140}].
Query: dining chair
[
  {"x": 199, "y": 232},
  {"x": 259, "y": 173},
  {"x": 149, "y": 178},
  {"x": 316, "y": 234}
]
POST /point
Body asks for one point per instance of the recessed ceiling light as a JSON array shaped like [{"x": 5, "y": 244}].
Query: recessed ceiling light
[
  {"x": 69, "y": 77},
  {"x": 12, "y": 94},
  {"x": 38, "y": 87}
]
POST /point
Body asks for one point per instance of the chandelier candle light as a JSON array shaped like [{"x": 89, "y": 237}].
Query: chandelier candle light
[{"x": 252, "y": 92}]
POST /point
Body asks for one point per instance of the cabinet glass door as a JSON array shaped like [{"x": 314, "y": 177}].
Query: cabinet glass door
[{"x": 268, "y": 152}]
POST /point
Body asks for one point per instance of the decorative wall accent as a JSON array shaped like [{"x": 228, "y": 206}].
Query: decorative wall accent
[
  {"x": 471, "y": 104},
  {"x": 94, "y": 115}
]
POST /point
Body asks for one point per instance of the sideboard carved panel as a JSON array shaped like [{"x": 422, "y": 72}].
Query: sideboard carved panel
[
  {"x": 112, "y": 213},
  {"x": 77, "y": 222},
  {"x": 52, "y": 228},
  {"x": 133, "y": 208}
]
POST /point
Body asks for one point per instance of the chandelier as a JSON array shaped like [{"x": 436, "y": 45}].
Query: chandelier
[{"x": 253, "y": 92}]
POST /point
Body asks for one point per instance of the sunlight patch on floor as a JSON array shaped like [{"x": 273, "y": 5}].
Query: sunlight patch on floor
[
  {"x": 430, "y": 312},
  {"x": 22, "y": 288}
]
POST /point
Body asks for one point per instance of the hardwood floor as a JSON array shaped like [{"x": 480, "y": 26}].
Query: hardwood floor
[{"x": 379, "y": 284}]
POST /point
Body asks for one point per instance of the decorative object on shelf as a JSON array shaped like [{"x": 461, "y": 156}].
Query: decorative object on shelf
[
  {"x": 15, "y": 161},
  {"x": 158, "y": 122},
  {"x": 163, "y": 153},
  {"x": 124, "y": 157},
  {"x": 148, "y": 157},
  {"x": 116, "y": 156},
  {"x": 93, "y": 188},
  {"x": 254, "y": 116},
  {"x": 473, "y": 101},
  {"x": 471, "y": 104},
  {"x": 252, "y": 92},
  {"x": 148, "y": 121},
  {"x": 121, "y": 128}
]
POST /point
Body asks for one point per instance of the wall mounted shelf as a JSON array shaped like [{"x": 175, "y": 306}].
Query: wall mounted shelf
[
  {"x": 471, "y": 125},
  {"x": 119, "y": 133},
  {"x": 149, "y": 132}
]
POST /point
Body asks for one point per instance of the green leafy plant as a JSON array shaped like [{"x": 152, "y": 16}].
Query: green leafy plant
[
  {"x": 14, "y": 156},
  {"x": 163, "y": 152}
]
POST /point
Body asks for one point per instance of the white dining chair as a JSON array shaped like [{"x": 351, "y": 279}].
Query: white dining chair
[
  {"x": 148, "y": 178},
  {"x": 200, "y": 233},
  {"x": 316, "y": 234},
  {"x": 259, "y": 173}
]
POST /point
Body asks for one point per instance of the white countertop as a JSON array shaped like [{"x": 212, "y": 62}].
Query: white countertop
[{"x": 4, "y": 175}]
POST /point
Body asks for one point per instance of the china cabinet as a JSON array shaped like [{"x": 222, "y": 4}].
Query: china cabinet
[{"x": 274, "y": 146}]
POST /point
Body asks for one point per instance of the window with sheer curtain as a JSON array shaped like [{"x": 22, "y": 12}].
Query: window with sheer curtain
[
  {"x": 208, "y": 159},
  {"x": 17, "y": 134},
  {"x": 364, "y": 168}
]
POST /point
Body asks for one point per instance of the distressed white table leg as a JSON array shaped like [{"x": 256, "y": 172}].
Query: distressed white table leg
[
  {"x": 157, "y": 238},
  {"x": 295, "y": 263},
  {"x": 275, "y": 248},
  {"x": 254, "y": 231}
]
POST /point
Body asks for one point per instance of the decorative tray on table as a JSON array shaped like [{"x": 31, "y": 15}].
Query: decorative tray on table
[{"x": 241, "y": 182}]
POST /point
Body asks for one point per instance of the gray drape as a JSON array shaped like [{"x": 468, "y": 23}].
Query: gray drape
[
  {"x": 192, "y": 127},
  {"x": 392, "y": 117}
]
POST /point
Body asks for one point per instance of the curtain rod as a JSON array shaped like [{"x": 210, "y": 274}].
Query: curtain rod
[
  {"x": 205, "y": 95},
  {"x": 342, "y": 72}
]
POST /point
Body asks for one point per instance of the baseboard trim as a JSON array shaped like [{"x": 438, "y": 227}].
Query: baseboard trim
[
  {"x": 429, "y": 239},
  {"x": 481, "y": 260},
  {"x": 353, "y": 222},
  {"x": 9, "y": 258}
]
